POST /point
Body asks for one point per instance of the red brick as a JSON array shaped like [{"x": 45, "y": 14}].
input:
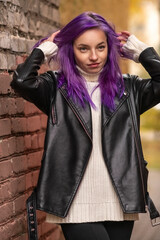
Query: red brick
[
  {"x": 11, "y": 106},
  {"x": 3, "y": 61},
  {"x": 20, "y": 145},
  {"x": 6, "y": 211},
  {"x": 15, "y": 43},
  {"x": 40, "y": 231},
  {"x": 7, "y": 106},
  {"x": 34, "y": 159},
  {"x": 31, "y": 43},
  {"x": 18, "y": 185},
  {"x": 41, "y": 137},
  {"x": 19, "y": 204},
  {"x": 5, "y": 169},
  {"x": 30, "y": 108},
  {"x": 29, "y": 180},
  {"x": 34, "y": 141},
  {"x": 43, "y": 118},
  {"x": 5, "y": 80},
  {"x": 7, "y": 146},
  {"x": 4, "y": 148},
  {"x": 18, "y": 125},
  {"x": 46, "y": 227},
  {"x": 3, "y": 106},
  {"x": 41, "y": 216},
  {"x": 20, "y": 59},
  {"x": 49, "y": 12},
  {"x": 11, "y": 59},
  {"x": 11, "y": 145},
  {"x": 56, "y": 2},
  {"x": 1, "y": 155},
  {"x": 14, "y": 228},
  {"x": 19, "y": 164},
  {"x": 22, "y": 237},
  {"x": 56, "y": 234},
  {"x": 35, "y": 177},
  {"x": 4, "y": 17},
  {"x": 5, "y": 191},
  {"x": 5, "y": 127},
  {"x": 33, "y": 123},
  {"x": 54, "y": 230},
  {"x": 20, "y": 105},
  {"x": 28, "y": 142}
]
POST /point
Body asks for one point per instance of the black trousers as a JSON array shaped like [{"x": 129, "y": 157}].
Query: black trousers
[{"x": 98, "y": 230}]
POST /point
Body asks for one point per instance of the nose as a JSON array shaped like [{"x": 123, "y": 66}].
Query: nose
[{"x": 93, "y": 55}]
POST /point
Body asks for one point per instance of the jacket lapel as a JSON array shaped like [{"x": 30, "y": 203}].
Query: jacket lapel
[
  {"x": 83, "y": 114},
  {"x": 107, "y": 114}
]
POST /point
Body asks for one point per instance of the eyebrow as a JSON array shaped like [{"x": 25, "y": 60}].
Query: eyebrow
[
  {"x": 85, "y": 45},
  {"x": 101, "y": 43}
]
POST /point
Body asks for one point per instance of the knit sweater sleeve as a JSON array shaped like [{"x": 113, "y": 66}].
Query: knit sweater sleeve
[
  {"x": 48, "y": 48},
  {"x": 133, "y": 48}
]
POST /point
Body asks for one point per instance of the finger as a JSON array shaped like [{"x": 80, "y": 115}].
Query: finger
[
  {"x": 126, "y": 33},
  {"x": 51, "y": 38},
  {"x": 122, "y": 38}
]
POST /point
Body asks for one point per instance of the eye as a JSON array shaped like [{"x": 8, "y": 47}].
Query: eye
[
  {"x": 83, "y": 49},
  {"x": 101, "y": 47}
]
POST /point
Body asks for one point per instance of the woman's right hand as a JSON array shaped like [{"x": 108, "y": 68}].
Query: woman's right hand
[
  {"x": 48, "y": 46},
  {"x": 51, "y": 37}
]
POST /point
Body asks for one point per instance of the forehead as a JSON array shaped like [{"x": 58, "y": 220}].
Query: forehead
[{"x": 91, "y": 36}]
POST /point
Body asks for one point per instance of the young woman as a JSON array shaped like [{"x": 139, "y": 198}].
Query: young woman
[{"x": 93, "y": 178}]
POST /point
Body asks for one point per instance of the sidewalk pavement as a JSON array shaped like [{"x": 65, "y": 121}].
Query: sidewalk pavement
[{"x": 142, "y": 228}]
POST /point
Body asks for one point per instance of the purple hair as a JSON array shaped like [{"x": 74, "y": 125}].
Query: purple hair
[{"x": 110, "y": 79}]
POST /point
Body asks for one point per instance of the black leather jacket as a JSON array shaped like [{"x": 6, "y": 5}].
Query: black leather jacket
[{"x": 68, "y": 141}]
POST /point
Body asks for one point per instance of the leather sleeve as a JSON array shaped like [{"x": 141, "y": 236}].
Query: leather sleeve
[
  {"x": 147, "y": 91},
  {"x": 35, "y": 88}
]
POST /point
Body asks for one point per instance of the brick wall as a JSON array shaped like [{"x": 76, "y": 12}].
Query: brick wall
[{"x": 22, "y": 125}]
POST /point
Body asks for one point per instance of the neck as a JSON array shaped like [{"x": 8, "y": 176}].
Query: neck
[{"x": 89, "y": 77}]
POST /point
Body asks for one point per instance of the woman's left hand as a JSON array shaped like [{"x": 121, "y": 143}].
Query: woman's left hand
[
  {"x": 130, "y": 46},
  {"x": 123, "y": 37}
]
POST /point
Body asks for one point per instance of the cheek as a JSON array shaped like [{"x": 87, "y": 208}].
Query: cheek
[
  {"x": 79, "y": 59},
  {"x": 105, "y": 55}
]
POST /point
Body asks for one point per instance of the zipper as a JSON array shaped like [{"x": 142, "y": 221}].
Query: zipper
[
  {"x": 53, "y": 115},
  {"x": 75, "y": 112},
  {"x": 139, "y": 159}
]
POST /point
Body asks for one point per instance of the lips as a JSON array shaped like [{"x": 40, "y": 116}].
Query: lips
[{"x": 93, "y": 65}]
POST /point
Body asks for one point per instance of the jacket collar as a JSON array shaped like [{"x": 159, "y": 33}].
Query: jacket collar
[
  {"x": 108, "y": 114},
  {"x": 84, "y": 114}
]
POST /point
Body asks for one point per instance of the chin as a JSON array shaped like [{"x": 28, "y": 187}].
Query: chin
[{"x": 94, "y": 70}]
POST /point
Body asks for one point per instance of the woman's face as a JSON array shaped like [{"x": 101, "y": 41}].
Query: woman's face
[{"x": 91, "y": 50}]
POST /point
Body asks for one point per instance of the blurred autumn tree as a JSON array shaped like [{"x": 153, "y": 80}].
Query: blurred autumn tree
[
  {"x": 151, "y": 120},
  {"x": 113, "y": 10}
]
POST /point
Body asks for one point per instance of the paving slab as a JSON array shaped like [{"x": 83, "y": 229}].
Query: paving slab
[{"x": 143, "y": 229}]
